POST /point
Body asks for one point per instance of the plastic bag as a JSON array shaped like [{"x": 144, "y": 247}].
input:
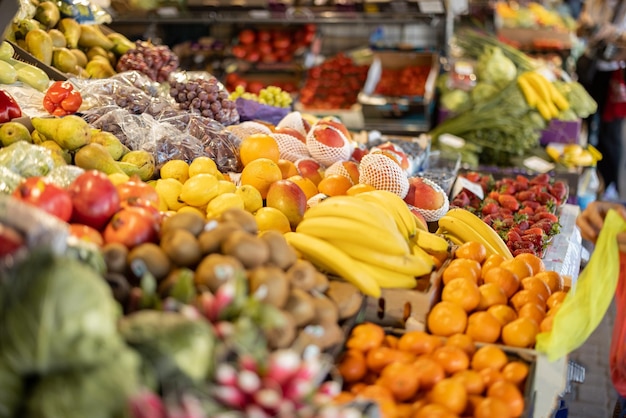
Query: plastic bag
[
  {"x": 250, "y": 110},
  {"x": 617, "y": 353},
  {"x": 587, "y": 303}
]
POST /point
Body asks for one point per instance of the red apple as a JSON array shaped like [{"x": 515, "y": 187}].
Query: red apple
[
  {"x": 423, "y": 196},
  {"x": 263, "y": 36},
  {"x": 420, "y": 217},
  {"x": 46, "y": 196},
  {"x": 95, "y": 199},
  {"x": 328, "y": 135},
  {"x": 337, "y": 125},
  {"x": 359, "y": 153},
  {"x": 131, "y": 226},
  {"x": 239, "y": 51},
  {"x": 255, "y": 87},
  {"x": 396, "y": 153},
  {"x": 87, "y": 233},
  {"x": 291, "y": 131},
  {"x": 353, "y": 170},
  {"x": 309, "y": 169},
  {"x": 288, "y": 198}
]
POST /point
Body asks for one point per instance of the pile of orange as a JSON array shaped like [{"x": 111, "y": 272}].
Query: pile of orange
[
  {"x": 419, "y": 375},
  {"x": 494, "y": 300}
]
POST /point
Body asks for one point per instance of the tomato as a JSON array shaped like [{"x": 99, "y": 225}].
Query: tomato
[
  {"x": 87, "y": 233},
  {"x": 95, "y": 199},
  {"x": 46, "y": 196},
  {"x": 135, "y": 188},
  {"x": 131, "y": 227}
]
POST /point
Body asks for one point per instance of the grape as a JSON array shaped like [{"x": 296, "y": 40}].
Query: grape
[
  {"x": 155, "y": 61},
  {"x": 206, "y": 98},
  {"x": 271, "y": 96}
]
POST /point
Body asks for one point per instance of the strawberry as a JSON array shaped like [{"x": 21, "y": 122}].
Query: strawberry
[
  {"x": 546, "y": 198},
  {"x": 490, "y": 208},
  {"x": 525, "y": 195},
  {"x": 521, "y": 182},
  {"x": 461, "y": 200},
  {"x": 523, "y": 244},
  {"x": 508, "y": 189},
  {"x": 513, "y": 236},
  {"x": 531, "y": 204},
  {"x": 526, "y": 210},
  {"x": 524, "y": 250},
  {"x": 509, "y": 202},
  {"x": 493, "y": 195},
  {"x": 473, "y": 176},
  {"x": 543, "y": 178},
  {"x": 547, "y": 215},
  {"x": 558, "y": 190}
]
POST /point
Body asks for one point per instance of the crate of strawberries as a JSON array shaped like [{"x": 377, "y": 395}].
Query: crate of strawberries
[{"x": 522, "y": 209}]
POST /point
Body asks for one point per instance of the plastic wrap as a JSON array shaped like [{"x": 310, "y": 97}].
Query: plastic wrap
[
  {"x": 142, "y": 82},
  {"x": 84, "y": 11},
  {"x": 64, "y": 175},
  {"x": 26, "y": 159},
  {"x": 9, "y": 180}
]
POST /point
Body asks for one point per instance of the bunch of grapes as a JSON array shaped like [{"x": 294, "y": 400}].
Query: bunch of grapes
[
  {"x": 155, "y": 61},
  {"x": 206, "y": 97},
  {"x": 271, "y": 96}
]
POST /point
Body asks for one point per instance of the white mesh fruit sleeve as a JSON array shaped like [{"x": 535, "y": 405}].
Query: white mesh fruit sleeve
[{"x": 383, "y": 173}]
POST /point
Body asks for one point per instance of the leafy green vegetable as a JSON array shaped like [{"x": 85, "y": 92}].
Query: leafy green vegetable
[
  {"x": 483, "y": 91},
  {"x": 454, "y": 99},
  {"x": 11, "y": 390},
  {"x": 494, "y": 67},
  {"x": 26, "y": 159}
]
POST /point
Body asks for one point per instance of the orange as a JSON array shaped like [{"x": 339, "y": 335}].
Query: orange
[
  {"x": 503, "y": 313},
  {"x": 515, "y": 372},
  {"x": 401, "y": 379},
  {"x": 359, "y": 188},
  {"x": 546, "y": 324},
  {"x": 483, "y": 327},
  {"x": 520, "y": 333},
  {"x": 463, "y": 341},
  {"x": 490, "y": 376},
  {"x": 366, "y": 336},
  {"x": 287, "y": 168},
  {"x": 504, "y": 278},
  {"x": 308, "y": 187},
  {"x": 334, "y": 185},
  {"x": 524, "y": 296},
  {"x": 452, "y": 359},
  {"x": 434, "y": 410},
  {"x": 390, "y": 341},
  {"x": 472, "y": 403},
  {"x": 532, "y": 311},
  {"x": 378, "y": 358},
  {"x": 260, "y": 174},
  {"x": 518, "y": 266},
  {"x": 553, "y": 279},
  {"x": 491, "y": 294},
  {"x": 510, "y": 394},
  {"x": 556, "y": 298},
  {"x": 535, "y": 263},
  {"x": 429, "y": 372},
  {"x": 489, "y": 357},
  {"x": 538, "y": 286},
  {"x": 449, "y": 393},
  {"x": 492, "y": 408},
  {"x": 472, "y": 380},
  {"x": 446, "y": 318},
  {"x": 375, "y": 393},
  {"x": 462, "y": 267},
  {"x": 418, "y": 342},
  {"x": 258, "y": 146},
  {"x": 352, "y": 367},
  {"x": 493, "y": 260},
  {"x": 472, "y": 250},
  {"x": 462, "y": 291}
]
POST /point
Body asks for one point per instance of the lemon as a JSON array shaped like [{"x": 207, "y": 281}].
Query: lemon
[
  {"x": 118, "y": 178},
  {"x": 221, "y": 203},
  {"x": 199, "y": 189},
  {"x": 225, "y": 186},
  {"x": 169, "y": 191},
  {"x": 252, "y": 200},
  {"x": 192, "y": 209},
  {"x": 175, "y": 169},
  {"x": 203, "y": 165},
  {"x": 268, "y": 218}
]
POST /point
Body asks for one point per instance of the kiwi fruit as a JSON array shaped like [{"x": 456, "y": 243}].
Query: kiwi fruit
[
  {"x": 346, "y": 296},
  {"x": 156, "y": 260},
  {"x": 119, "y": 286},
  {"x": 242, "y": 217},
  {"x": 216, "y": 269},
  {"x": 300, "y": 305},
  {"x": 282, "y": 336},
  {"x": 192, "y": 222},
  {"x": 302, "y": 275},
  {"x": 182, "y": 247},
  {"x": 115, "y": 255},
  {"x": 282, "y": 254},
  {"x": 326, "y": 311},
  {"x": 269, "y": 284},
  {"x": 251, "y": 250},
  {"x": 211, "y": 240},
  {"x": 321, "y": 282}
]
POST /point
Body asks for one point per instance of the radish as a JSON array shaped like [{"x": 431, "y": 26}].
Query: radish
[
  {"x": 254, "y": 411},
  {"x": 248, "y": 381},
  {"x": 230, "y": 396},
  {"x": 297, "y": 389},
  {"x": 147, "y": 404},
  {"x": 268, "y": 398},
  {"x": 224, "y": 329},
  {"x": 226, "y": 375},
  {"x": 283, "y": 364},
  {"x": 205, "y": 302},
  {"x": 248, "y": 362},
  {"x": 224, "y": 296}
]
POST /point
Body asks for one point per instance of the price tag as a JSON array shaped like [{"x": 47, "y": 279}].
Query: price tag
[
  {"x": 452, "y": 141},
  {"x": 431, "y": 6},
  {"x": 462, "y": 183},
  {"x": 538, "y": 164}
]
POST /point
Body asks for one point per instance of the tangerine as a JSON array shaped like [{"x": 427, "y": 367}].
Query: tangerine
[
  {"x": 366, "y": 336},
  {"x": 463, "y": 341},
  {"x": 553, "y": 279},
  {"x": 520, "y": 333},
  {"x": 493, "y": 260},
  {"x": 308, "y": 187},
  {"x": 483, "y": 327},
  {"x": 450, "y": 393},
  {"x": 452, "y": 359},
  {"x": 463, "y": 292},
  {"x": 401, "y": 379},
  {"x": 390, "y": 341},
  {"x": 532, "y": 311},
  {"x": 491, "y": 294},
  {"x": 287, "y": 168},
  {"x": 515, "y": 372},
  {"x": 538, "y": 286},
  {"x": 334, "y": 185},
  {"x": 490, "y": 376},
  {"x": 343, "y": 397},
  {"x": 524, "y": 296},
  {"x": 446, "y": 318},
  {"x": 491, "y": 408},
  {"x": 472, "y": 250},
  {"x": 352, "y": 367},
  {"x": 510, "y": 394},
  {"x": 556, "y": 299},
  {"x": 261, "y": 173},
  {"x": 503, "y": 313},
  {"x": 546, "y": 324},
  {"x": 418, "y": 342},
  {"x": 429, "y": 371},
  {"x": 489, "y": 357},
  {"x": 434, "y": 410},
  {"x": 472, "y": 380},
  {"x": 378, "y": 358},
  {"x": 472, "y": 403},
  {"x": 257, "y": 146},
  {"x": 518, "y": 266},
  {"x": 506, "y": 279},
  {"x": 536, "y": 264},
  {"x": 462, "y": 267}
]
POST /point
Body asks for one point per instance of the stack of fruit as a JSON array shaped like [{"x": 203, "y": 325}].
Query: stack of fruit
[{"x": 272, "y": 46}]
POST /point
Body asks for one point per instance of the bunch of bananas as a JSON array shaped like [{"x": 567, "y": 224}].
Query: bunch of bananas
[
  {"x": 541, "y": 94},
  {"x": 460, "y": 226},
  {"x": 574, "y": 155},
  {"x": 370, "y": 239}
]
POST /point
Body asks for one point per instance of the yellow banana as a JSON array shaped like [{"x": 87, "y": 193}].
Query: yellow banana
[
  {"x": 413, "y": 265},
  {"x": 529, "y": 93},
  {"x": 342, "y": 229},
  {"x": 388, "y": 278},
  {"x": 559, "y": 100},
  {"x": 351, "y": 208},
  {"x": 419, "y": 251},
  {"x": 399, "y": 223},
  {"x": 464, "y": 232},
  {"x": 431, "y": 243},
  {"x": 329, "y": 258},
  {"x": 397, "y": 207},
  {"x": 484, "y": 231},
  {"x": 453, "y": 238},
  {"x": 540, "y": 84}
]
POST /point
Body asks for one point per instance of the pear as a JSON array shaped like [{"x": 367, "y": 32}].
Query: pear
[
  {"x": 91, "y": 35},
  {"x": 37, "y": 137},
  {"x": 96, "y": 157},
  {"x": 58, "y": 39},
  {"x": 47, "y": 13},
  {"x": 100, "y": 68},
  {"x": 95, "y": 51},
  {"x": 60, "y": 156},
  {"x": 39, "y": 44},
  {"x": 11, "y": 132},
  {"x": 71, "y": 30},
  {"x": 112, "y": 143},
  {"x": 6, "y": 51},
  {"x": 70, "y": 132},
  {"x": 121, "y": 44},
  {"x": 81, "y": 57},
  {"x": 64, "y": 60},
  {"x": 138, "y": 163},
  {"x": 23, "y": 26}
]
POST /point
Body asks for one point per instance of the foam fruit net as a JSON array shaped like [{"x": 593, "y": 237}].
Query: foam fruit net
[
  {"x": 245, "y": 129},
  {"x": 383, "y": 173},
  {"x": 290, "y": 147},
  {"x": 293, "y": 120},
  {"x": 434, "y": 215},
  {"x": 338, "y": 168},
  {"x": 324, "y": 154}
]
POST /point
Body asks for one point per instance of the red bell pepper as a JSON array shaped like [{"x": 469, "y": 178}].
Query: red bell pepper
[
  {"x": 62, "y": 99},
  {"x": 9, "y": 109}
]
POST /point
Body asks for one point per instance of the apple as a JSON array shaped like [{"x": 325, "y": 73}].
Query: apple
[
  {"x": 423, "y": 195},
  {"x": 287, "y": 197},
  {"x": 309, "y": 169},
  {"x": 46, "y": 196},
  {"x": 95, "y": 199},
  {"x": 287, "y": 130},
  {"x": 353, "y": 170},
  {"x": 337, "y": 125},
  {"x": 327, "y": 135},
  {"x": 419, "y": 217},
  {"x": 395, "y": 152},
  {"x": 86, "y": 233},
  {"x": 359, "y": 153},
  {"x": 130, "y": 227},
  {"x": 255, "y": 87},
  {"x": 239, "y": 51}
]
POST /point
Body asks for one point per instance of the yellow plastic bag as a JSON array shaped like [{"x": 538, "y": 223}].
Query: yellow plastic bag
[{"x": 586, "y": 304}]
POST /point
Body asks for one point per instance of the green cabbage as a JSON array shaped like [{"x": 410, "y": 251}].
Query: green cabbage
[
  {"x": 483, "y": 92},
  {"x": 454, "y": 99},
  {"x": 494, "y": 67}
]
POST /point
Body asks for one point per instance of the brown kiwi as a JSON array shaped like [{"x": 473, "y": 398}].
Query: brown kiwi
[
  {"x": 211, "y": 240},
  {"x": 251, "y": 250},
  {"x": 155, "y": 259},
  {"x": 326, "y": 311},
  {"x": 242, "y": 217},
  {"x": 300, "y": 305},
  {"x": 302, "y": 275},
  {"x": 325, "y": 336},
  {"x": 182, "y": 247},
  {"x": 282, "y": 336},
  {"x": 269, "y": 284},
  {"x": 189, "y": 221},
  {"x": 216, "y": 269},
  {"x": 321, "y": 282},
  {"x": 346, "y": 296},
  {"x": 282, "y": 254},
  {"x": 115, "y": 255}
]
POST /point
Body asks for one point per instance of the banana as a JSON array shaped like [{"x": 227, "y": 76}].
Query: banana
[
  {"x": 453, "y": 238},
  {"x": 351, "y": 208},
  {"x": 399, "y": 223},
  {"x": 400, "y": 207},
  {"x": 419, "y": 251},
  {"x": 431, "y": 243},
  {"x": 410, "y": 264},
  {"x": 388, "y": 279},
  {"x": 328, "y": 257},
  {"x": 387, "y": 241},
  {"x": 483, "y": 229},
  {"x": 466, "y": 232}
]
